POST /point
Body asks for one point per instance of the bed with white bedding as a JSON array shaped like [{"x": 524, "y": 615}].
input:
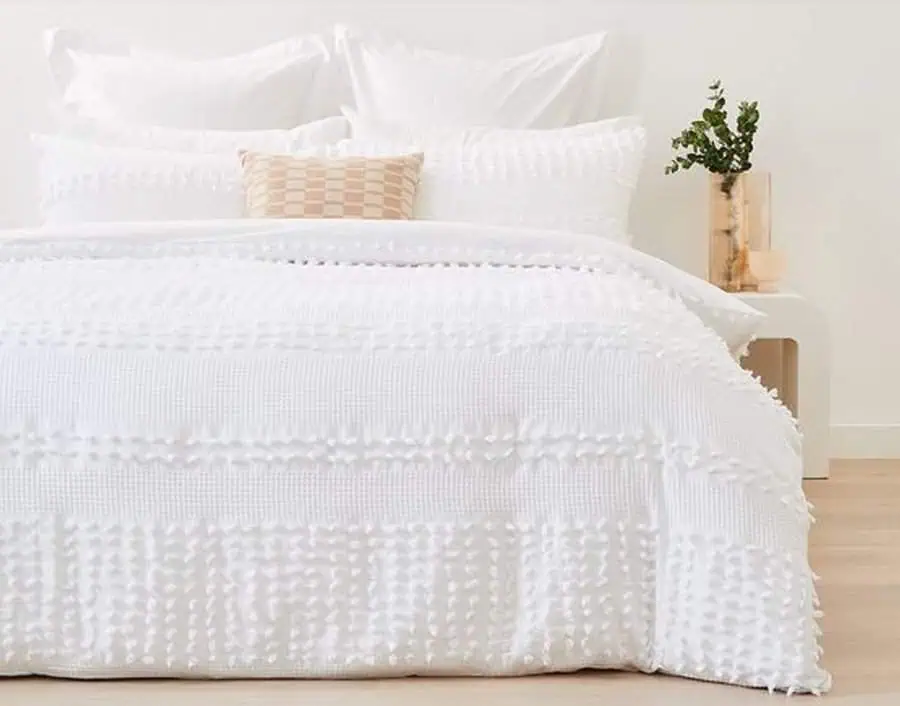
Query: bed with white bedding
[
  {"x": 352, "y": 449},
  {"x": 491, "y": 440}
]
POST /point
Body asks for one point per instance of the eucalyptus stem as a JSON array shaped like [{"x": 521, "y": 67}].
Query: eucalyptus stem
[{"x": 711, "y": 143}]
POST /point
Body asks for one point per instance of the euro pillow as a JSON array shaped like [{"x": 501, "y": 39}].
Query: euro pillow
[
  {"x": 286, "y": 186},
  {"x": 116, "y": 134},
  {"x": 81, "y": 182},
  {"x": 550, "y": 87},
  {"x": 279, "y": 86},
  {"x": 549, "y": 180}
]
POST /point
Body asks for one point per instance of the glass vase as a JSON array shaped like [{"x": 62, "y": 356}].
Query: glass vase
[{"x": 739, "y": 222}]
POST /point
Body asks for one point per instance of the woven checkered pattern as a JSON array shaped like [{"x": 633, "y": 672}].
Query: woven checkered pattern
[{"x": 282, "y": 186}]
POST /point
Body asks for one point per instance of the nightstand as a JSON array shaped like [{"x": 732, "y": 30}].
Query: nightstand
[{"x": 792, "y": 355}]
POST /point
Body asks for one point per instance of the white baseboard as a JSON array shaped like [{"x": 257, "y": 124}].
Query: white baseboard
[{"x": 865, "y": 441}]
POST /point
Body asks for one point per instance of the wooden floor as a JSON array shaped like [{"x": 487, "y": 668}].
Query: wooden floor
[{"x": 855, "y": 548}]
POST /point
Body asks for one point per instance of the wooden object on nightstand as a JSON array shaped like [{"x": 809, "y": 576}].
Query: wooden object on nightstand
[{"x": 792, "y": 354}]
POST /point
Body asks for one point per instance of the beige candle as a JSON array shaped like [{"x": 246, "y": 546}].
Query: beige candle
[{"x": 767, "y": 267}]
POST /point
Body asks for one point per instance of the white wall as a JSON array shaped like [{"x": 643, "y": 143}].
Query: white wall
[{"x": 823, "y": 72}]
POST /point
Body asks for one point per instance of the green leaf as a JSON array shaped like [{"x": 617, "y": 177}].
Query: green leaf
[{"x": 709, "y": 141}]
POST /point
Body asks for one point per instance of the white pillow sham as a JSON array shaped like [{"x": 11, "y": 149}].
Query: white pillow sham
[
  {"x": 550, "y": 87},
  {"x": 367, "y": 128},
  {"x": 578, "y": 183},
  {"x": 278, "y": 86},
  {"x": 81, "y": 182},
  {"x": 115, "y": 134},
  {"x": 549, "y": 180}
]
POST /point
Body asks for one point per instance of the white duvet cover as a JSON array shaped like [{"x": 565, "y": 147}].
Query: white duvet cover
[{"x": 313, "y": 449}]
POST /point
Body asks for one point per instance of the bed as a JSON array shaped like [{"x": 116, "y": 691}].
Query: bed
[{"x": 485, "y": 437}]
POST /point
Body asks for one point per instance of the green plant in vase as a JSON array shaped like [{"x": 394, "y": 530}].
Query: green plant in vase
[{"x": 710, "y": 142}]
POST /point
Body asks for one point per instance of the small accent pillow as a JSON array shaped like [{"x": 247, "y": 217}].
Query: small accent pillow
[{"x": 284, "y": 186}]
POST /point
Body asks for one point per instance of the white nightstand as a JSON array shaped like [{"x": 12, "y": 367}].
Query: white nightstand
[{"x": 792, "y": 354}]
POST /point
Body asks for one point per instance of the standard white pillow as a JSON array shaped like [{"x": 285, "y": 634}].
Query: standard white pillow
[
  {"x": 278, "y": 86},
  {"x": 81, "y": 182},
  {"x": 115, "y": 134},
  {"x": 363, "y": 128},
  {"x": 550, "y": 87},
  {"x": 549, "y": 180}
]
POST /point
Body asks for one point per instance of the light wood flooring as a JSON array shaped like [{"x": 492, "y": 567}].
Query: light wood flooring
[{"x": 855, "y": 548}]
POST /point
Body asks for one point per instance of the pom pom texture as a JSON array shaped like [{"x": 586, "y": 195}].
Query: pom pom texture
[{"x": 349, "y": 449}]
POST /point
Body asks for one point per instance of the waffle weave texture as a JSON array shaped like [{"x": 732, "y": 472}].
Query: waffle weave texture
[{"x": 349, "y": 449}]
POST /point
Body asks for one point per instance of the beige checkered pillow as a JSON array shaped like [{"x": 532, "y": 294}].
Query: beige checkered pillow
[{"x": 283, "y": 186}]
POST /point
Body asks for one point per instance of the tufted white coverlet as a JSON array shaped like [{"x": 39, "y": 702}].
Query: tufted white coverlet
[{"x": 352, "y": 449}]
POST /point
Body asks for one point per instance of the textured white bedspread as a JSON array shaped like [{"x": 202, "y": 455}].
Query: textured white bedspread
[{"x": 255, "y": 449}]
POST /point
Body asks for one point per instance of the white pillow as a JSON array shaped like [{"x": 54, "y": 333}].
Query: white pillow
[
  {"x": 363, "y": 128},
  {"x": 278, "y": 86},
  {"x": 80, "y": 182},
  {"x": 114, "y": 134},
  {"x": 551, "y": 87},
  {"x": 548, "y": 180}
]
